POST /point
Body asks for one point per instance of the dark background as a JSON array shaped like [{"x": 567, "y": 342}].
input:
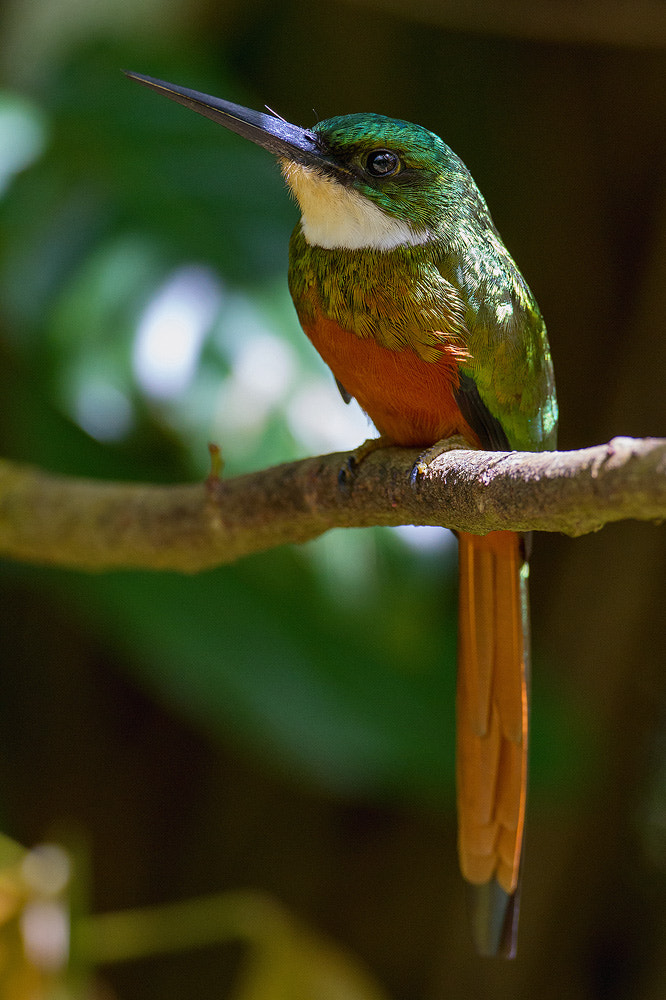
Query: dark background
[{"x": 287, "y": 724}]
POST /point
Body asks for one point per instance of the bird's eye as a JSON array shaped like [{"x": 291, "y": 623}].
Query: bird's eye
[{"x": 382, "y": 163}]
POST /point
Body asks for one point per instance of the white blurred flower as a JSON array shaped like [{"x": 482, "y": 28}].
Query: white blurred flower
[{"x": 172, "y": 330}]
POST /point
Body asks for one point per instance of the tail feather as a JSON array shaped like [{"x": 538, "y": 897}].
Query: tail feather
[
  {"x": 492, "y": 715},
  {"x": 494, "y": 919}
]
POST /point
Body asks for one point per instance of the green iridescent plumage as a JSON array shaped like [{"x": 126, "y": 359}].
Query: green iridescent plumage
[{"x": 459, "y": 284}]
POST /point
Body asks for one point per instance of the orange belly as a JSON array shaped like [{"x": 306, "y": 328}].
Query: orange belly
[{"x": 409, "y": 400}]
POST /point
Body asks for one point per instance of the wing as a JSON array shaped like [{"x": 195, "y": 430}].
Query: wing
[
  {"x": 489, "y": 429},
  {"x": 511, "y": 371}
]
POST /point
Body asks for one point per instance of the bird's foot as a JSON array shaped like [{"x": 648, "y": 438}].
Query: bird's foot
[
  {"x": 355, "y": 459},
  {"x": 455, "y": 443}
]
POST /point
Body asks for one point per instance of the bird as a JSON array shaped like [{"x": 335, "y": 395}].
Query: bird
[{"x": 402, "y": 283}]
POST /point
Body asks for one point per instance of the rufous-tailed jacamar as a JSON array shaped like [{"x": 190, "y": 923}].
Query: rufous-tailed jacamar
[{"x": 403, "y": 285}]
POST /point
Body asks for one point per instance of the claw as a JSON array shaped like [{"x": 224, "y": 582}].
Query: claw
[
  {"x": 419, "y": 469},
  {"x": 347, "y": 473},
  {"x": 355, "y": 459}
]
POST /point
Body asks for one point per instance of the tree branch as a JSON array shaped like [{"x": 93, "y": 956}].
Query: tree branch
[{"x": 99, "y": 526}]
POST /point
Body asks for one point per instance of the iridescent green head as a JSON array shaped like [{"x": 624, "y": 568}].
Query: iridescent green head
[{"x": 404, "y": 169}]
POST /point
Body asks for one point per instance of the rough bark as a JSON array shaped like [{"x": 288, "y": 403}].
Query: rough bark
[{"x": 99, "y": 526}]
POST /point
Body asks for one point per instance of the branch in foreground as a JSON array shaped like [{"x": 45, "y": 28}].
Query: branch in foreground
[{"x": 99, "y": 526}]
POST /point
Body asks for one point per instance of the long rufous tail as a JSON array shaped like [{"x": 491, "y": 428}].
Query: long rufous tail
[{"x": 491, "y": 728}]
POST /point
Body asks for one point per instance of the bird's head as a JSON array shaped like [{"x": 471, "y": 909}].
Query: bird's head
[
  {"x": 362, "y": 180},
  {"x": 378, "y": 182}
]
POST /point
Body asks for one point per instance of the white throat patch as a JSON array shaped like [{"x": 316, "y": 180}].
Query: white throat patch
[{"x": 338, "y": 217}]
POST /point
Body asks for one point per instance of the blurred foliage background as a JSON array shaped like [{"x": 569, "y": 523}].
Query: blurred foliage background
[{"x": 286, "y": 725}]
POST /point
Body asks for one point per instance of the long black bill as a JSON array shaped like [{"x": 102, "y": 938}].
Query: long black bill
[{"x": 274, "y": 134}]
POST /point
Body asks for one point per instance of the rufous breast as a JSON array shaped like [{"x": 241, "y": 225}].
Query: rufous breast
[{"x": 409, "y": 400}]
